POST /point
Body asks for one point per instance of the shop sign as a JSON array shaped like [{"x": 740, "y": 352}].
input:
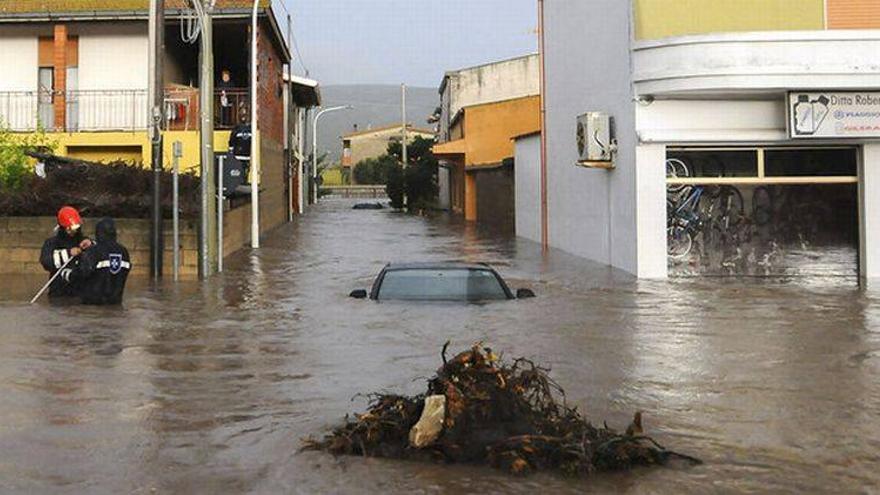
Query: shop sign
[{"x": 824, "y": 115}]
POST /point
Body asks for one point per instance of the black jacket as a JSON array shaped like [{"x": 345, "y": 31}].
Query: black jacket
[
  {"x": 103, "y": 268},
  {"x": 55, "y": 253}
]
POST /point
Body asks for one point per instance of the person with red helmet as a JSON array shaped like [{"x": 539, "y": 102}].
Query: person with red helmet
[{"x": 60, "y": 250}]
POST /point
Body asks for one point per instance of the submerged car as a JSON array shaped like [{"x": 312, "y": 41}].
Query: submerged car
[{"x": 471, "y": 282}]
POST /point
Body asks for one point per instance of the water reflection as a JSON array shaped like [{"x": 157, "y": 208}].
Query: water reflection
[{"x": 195, "y": 388}]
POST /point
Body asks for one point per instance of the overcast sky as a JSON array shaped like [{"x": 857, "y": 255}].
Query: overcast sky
[{"x": 409, "y": 41}]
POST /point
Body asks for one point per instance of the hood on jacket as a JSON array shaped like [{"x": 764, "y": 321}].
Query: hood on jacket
[{"x": 105, "y": 230}]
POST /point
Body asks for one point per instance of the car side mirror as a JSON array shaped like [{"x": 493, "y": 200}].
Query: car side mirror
[
  {"x": 524, "y": 293},
  {"x": 358, "y": 294}
]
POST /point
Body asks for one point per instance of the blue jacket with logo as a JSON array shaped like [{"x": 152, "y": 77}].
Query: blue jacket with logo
[{"x": 103, "y": 268}]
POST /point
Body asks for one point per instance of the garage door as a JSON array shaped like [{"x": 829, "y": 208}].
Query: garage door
[{"x": 762, "y": 211}]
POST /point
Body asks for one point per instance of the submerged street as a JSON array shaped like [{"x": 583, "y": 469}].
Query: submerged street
[{"x": 210, "y": 388}]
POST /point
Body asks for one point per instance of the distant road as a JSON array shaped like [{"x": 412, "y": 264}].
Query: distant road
[{"x": 365, "y": 192}]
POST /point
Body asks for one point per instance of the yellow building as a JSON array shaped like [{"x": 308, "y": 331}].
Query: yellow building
[
  {"x": 481, "y": 139},
  {"x": 78, "y": 70},
  {"x": 655, "y": 19},
  {"x": 373, "y": 143},
  {"x": 82, "y": 76}
]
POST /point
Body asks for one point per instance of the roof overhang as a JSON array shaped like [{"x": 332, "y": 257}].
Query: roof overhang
[
  {"x": 306, "y": 92},
  {"x": 748, "y": 64},
  {"x": 450, "y": 148},
  {"x": 143, "y": 15},
  {"x": 526, "y": 135}
]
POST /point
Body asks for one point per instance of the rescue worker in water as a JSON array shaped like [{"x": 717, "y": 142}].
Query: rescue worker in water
[
  {"x": 60, "y": 251},
  {"x": 93, "y": 271},
  {"x": 103, "y": 268}
]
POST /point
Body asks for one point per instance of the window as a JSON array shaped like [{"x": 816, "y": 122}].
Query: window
[
  {"x": 45, "y": 91},
  {"x": 441, "y": 284},
  {"x": 719, "y": 163},
  {"x": 783, "y": 165},
  {"x": 833, "y": 162}
]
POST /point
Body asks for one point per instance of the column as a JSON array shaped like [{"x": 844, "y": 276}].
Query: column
[
  {"x": 869, "y": 214},
  {"x": 59, "y": 100},
  {"x": 651, "y": 211}
]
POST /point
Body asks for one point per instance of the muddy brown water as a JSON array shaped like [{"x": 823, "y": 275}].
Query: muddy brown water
[{"x": 209, "y": 389}]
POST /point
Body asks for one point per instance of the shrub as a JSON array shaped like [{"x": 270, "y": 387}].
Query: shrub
[
  {"x": 16, "y": 168},
  {"x": 374, "y": 171},
  {"x": 395, "y": 187}
]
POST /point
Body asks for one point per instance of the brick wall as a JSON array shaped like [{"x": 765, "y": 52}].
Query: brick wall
[
  {"x": 271, "y": 83},
  {"x": 853, "y": 14},
  {"x": 59, "y": 58},
  {"x": 273, "y": 180},
  {"x": 273, "y": 187}
]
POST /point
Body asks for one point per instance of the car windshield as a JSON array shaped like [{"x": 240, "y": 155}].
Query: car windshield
[{"x": 444, "y": 284}]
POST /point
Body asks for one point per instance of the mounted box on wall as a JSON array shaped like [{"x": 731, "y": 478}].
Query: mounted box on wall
[{"x": 595, "y": 140}]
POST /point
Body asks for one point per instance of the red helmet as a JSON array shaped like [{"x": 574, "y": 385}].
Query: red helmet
[{"x": 68, "y": 218}]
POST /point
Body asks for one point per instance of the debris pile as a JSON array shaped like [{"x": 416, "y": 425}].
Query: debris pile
[
  {"x": 117, "y": 189},
  {"x": 479, "y": 410}
]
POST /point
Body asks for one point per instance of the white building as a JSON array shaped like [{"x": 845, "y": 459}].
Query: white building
[{"x": 781, "y": 122}]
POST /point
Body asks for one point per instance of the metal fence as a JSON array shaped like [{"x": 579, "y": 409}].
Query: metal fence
[{"x": 115, "y": 110}]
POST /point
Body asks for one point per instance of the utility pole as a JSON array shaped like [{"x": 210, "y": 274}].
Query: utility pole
[
  {"x": 255, "y": 133},
  {"x": 403, "y": 118},
  {"x": 208, "y": 227},
  {"x": 156, "y": 90}
]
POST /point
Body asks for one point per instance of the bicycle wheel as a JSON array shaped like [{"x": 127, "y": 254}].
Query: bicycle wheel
[{"x": 679, "y": 242}]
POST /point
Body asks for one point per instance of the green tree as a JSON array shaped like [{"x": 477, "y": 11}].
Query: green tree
[
  {"x": 374, "y": 170},
  {"x": 420, "y": 177},
  {"x": 16, "y": 167},
  {"x": 395, "y": 187}
]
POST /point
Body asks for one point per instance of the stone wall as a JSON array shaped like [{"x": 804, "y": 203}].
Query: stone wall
[{"x": 21, "y": 239}]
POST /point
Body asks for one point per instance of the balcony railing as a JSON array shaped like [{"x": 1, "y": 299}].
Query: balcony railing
[{"x": 116, "y": 110}]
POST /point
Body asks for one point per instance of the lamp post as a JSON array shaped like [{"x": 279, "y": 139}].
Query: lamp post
[
  {"x": 315, "y": 146},
  {"x": 255, "y": 136}
]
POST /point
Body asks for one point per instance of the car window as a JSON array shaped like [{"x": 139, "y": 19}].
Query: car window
[{"x": 460, "y": 284}]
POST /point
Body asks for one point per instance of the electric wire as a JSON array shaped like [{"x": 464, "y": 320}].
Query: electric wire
[{"x": 293, "y": 42}]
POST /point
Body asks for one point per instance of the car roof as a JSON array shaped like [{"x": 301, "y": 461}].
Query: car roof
[{"x": 438, "y": 266}]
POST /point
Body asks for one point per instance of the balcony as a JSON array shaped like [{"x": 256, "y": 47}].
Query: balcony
[
  {"x": 116, "y": 110},
  {"x": 756, "y": 62}
]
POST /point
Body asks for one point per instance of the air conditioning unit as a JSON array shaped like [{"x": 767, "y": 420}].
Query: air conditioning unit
[{"x": 595, "y": 140}]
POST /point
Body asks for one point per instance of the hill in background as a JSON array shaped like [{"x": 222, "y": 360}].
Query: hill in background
[{"x": 375, "y": 106}]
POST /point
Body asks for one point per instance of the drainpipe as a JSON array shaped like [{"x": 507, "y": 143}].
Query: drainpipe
[
  {"x": 545, "y": 236},
  {"x": 255, "y": 137},
  {"x": 288, "y": 131}
]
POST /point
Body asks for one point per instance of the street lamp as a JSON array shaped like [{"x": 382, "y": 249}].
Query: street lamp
[
  {"x": 255, "y": 136},
  {"x": 315, "y": 147}
]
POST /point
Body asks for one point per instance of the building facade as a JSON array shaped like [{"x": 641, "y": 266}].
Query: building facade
[
  {"x": 373, "y": 143},
  {"x": 745, "y": 134},
  {"x": 78, "y": 70},
  {"x": 481, "y": 110}
]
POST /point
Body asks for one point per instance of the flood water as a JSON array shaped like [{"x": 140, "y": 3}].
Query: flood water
[{"x": 210, "y": 389}]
